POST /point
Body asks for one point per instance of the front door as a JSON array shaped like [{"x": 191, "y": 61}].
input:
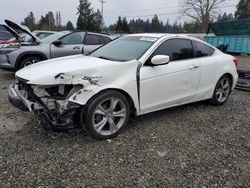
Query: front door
[
  {"x": 71, "y": 44},
  {"x": 173, "y": 83}
]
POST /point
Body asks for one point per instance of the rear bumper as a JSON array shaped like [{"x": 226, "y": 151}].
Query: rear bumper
[{"x": 16, "y": 99}]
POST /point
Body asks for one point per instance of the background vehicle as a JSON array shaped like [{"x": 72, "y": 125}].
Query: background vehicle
[
  {"x": 4, "y": 35},
  {"x": 72, "y": 43},
  {"x": 26, "y": 39},
  {"x": 137, "y": 74}
]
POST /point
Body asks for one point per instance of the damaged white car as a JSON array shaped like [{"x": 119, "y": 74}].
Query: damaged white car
[{"x": 135, "y": 74}]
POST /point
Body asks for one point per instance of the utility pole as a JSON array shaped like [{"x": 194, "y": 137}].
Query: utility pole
[{"x": 102, "y": 2}]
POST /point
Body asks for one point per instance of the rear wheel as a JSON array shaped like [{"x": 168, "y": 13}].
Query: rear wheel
[
  {"x": 28, "y": 61},
  {"x": 106, "y": 115},
  {"x": 222, "y": 91}
]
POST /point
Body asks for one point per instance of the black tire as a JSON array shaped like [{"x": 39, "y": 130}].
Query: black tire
[
  {"x": 90, "y": 114},
  {"x": 28, "y": 61},
  {"x": 220, "y": 99}
]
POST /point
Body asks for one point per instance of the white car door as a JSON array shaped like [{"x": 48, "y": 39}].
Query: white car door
[{"x": 173, "y": 83}]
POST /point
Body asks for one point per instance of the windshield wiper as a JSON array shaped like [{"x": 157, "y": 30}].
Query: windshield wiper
[{"x": 106, "y": 58}]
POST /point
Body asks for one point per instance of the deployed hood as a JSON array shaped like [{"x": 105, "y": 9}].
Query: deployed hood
[
  {"x": 74, "y": 69},
  {"x": 13, "y": 26},
  {"x": 13, "y": 32}
]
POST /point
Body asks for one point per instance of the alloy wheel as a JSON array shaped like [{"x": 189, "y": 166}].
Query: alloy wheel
[
  {"x": 109, "y": 116},
  {"x": 223, "y": 90},
  {"x": 30, "y": 62}
]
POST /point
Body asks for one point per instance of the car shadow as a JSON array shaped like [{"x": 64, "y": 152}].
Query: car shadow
[{"x": 138, "y": 122}]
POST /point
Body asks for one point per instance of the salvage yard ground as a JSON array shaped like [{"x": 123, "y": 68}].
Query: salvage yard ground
[{"x": 195, "y": 145}]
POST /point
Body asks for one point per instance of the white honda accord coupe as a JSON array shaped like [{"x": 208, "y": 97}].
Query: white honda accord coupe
[{"x": 135, "y": 74}]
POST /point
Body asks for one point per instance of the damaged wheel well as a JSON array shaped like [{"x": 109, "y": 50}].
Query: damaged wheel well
[{"x": 128, "y": 97}]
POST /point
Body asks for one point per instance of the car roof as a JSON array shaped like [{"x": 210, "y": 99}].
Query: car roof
[
  {"x": 155, "y": 35},
  {"x": 94, "y": 33},
  {"x": 160, "y": 35},
  {"x": 44, "y": 31}
]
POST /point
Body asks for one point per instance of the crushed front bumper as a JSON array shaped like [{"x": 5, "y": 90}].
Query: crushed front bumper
[{"x": 17, "y": 100}]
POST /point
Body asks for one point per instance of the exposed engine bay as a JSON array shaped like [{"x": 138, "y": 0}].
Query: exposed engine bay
[{"x": 50, "y": 103}]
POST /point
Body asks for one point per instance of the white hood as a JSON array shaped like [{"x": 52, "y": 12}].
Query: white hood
[{"x": 69, "y": 70}]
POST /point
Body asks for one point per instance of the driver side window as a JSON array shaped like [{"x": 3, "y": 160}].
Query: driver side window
[
  {"x": 176, "y": 49},
  {"x": 73, "y": 38}
]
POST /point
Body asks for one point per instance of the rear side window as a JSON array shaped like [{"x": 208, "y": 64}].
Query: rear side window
[
  {"x": 92, "y": 40},
  {"x": 73, "y": 38},
  {"x": 176, "y": 49},
  {"x": 43, "y": 35},
  {"x": 202, "y": 50},
  {"x": 104, "y": 40}
]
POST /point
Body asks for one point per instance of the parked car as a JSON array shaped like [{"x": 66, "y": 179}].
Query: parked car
[
  {"x": 135, "y": 74},
  {"x": 72, "y": 43},
  {"x": 19, "y": 33},
  {"x": 26, "y": 39},
  {"x": 4, "y": 36}
]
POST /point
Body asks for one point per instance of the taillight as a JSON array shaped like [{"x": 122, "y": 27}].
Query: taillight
[{"x": 236, "y": 62}]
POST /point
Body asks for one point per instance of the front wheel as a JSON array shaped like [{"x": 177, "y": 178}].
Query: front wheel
[
  {"x": 222, "y": 91},
  {"x": 106, "y": 115},
  {"x": 28, "y": 61}
]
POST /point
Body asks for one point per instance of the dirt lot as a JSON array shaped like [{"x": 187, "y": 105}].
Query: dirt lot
[{"x": 193, "y": 145}]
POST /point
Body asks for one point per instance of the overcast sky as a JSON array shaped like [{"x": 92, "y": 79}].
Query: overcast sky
[{"x": 16, "y": 10}]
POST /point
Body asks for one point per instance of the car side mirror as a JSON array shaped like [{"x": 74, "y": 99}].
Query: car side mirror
[
  {"x": 160, "y": 60},
  {"x": 57, "y": 43}
]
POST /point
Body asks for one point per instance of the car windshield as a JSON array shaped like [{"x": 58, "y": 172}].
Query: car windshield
[
  {"x": 52, "y": 37},
  {"x": 125, "y": 48}
]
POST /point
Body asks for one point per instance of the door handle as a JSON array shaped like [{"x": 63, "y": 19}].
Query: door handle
[
  {"x": 194, "y": 67},
  {"x": 76, "y": 48}
]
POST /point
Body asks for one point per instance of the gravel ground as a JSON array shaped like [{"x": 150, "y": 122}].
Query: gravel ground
[{"x": 195, "y": 145}]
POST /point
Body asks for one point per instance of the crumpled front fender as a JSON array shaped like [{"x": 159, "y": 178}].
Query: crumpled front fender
[{"x": 84, "y": 95}]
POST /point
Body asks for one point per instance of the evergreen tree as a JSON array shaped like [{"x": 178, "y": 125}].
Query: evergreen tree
[
  {"x": 125, "y": 26},
  {"x": 225, "y": 17},
  {"x": 99, "y": 20},
  {"x": 47, "y": 22},
  {"x": 155, "y": 24},
  {"x": 243, "y": 9},
  {"x": 69, "y": 26},
  {"x": 118, "y": 25},
  {"x": 29, "y": 21},
  {"x": 87, "y": 19}
]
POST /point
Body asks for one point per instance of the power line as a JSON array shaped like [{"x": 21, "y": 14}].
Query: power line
[{"x": 163, "y": 14}]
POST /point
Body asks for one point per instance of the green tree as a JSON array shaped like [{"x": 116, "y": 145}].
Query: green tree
[
  {"x": 124, "y": 25},
  {"x": 243, "y": 9},
  {"x": 99, "y": 20},
  {"x": 155, "y": 23},
  {"x": 69, "y": 26},
  {"x": 118, "y": 25},
  {"x": 29, "y": 21},
  {"x": 225, "y": 17},
  {"x": 87, "y": 19},
  {"x": 47, "y": 22}
]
